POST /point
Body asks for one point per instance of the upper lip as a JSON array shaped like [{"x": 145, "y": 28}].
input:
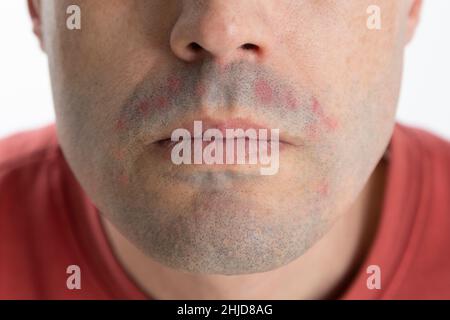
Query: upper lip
[{"x": 223, "y": 124}]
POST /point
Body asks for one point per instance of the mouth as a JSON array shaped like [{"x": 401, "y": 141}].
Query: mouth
[
  {"x": 237, "y": 130},
  {"x": 237, "y": 144},
  {"x": 169, "y": 143}
]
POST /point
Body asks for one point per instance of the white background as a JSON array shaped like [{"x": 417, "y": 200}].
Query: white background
[{"x": 25, "y": 95}]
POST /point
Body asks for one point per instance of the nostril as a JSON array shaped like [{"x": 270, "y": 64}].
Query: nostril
[
  {"x": 195, "y": 47},
  {"x": 250, "y": 46}
]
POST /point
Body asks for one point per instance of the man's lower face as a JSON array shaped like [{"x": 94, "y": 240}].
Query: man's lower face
[
  {"x": 220, "y": 218},
  {"x": 120, "y": 100},
  {"x": 225, "y": 218}
]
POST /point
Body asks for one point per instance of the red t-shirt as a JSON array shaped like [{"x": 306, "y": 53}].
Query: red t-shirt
[{"x": 47, "y": 223}]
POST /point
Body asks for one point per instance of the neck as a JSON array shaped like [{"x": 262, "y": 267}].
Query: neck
[{"x": 322, "y": 272}]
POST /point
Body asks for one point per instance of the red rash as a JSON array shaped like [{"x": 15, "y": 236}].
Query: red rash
[
  {"x": 323, "y": 188},
  {"x": 174, "y": 85},
  {"x": 144, "y": 108},
  {"x": 329, "y": 122},
  {"x": 124, "y": 179},
  {"x": 120, "y": 125},
  {"x": 200, "y": 90},
  {"x": 118, "y": 154},
  {"x": 263, "y": 91},
  {"x": 161, "y": 102},
  {"x": 291, "y": 100}
]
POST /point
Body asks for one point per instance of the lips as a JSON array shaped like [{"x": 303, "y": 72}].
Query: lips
[
  {"x": 169, "y": 143},
  {"x": 222, "y": 126}
]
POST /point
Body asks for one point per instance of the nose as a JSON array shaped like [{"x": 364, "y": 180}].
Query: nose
[{"x": 220, "y": 30}]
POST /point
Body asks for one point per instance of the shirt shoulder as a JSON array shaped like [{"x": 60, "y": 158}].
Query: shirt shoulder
[
  {"x": 48, "y": 223},
  {"x": 430, "y": 145},
  {"x": 424, "y": 270},
  {"x": 412, "y": 234},
  {"x": 26, "y": 149}
]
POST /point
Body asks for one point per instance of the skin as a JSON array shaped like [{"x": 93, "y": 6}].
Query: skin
[{"x": 140, "y": 69}]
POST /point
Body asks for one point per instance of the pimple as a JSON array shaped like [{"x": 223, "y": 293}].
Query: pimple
[
  {"x": 317, "y": 108},
  {"x": 291, "y": 100},
  {"x": 323, "y": 188},
  {"x": 120, "y": 125},
  {"x": 173, "y": 85},
  {"x": 160, "y": 102},
  {"x": 200, "y": 90},
  {"x": 124, "y": 179},
  {"x": 330, "y": 123},
  {"x": 119, "y": 154},
  {"x": 263, "y": 91},
  {"x": 144, "y": 107}
]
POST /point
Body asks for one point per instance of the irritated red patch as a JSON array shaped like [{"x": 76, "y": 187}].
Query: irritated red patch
[
  {"x": 200, "y": 90},
  {"x": 174, "y": 85},
  {"x": 323, "y": 188},
  {"x": 160, "y": 102},
  {"x": 263, "y": 91},
  {"x": 120, "y": 125},
  {"x": 118, "y": 154},
  {"x": 124, "y": 179},
  {"x": 317, "y": 108},
  {"x": 144, "y": 108},
  {"x": 329, "y": 122},
  {"x": 290, "y": 100}
]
